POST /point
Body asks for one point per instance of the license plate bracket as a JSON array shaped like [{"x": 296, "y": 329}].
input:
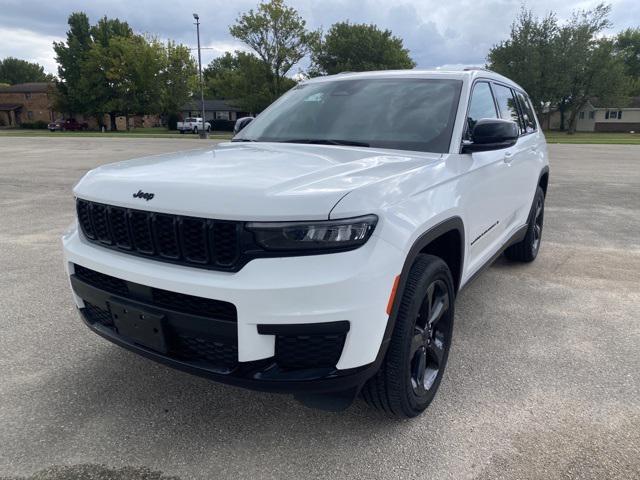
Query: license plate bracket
[{"x": 139, "y": 325}]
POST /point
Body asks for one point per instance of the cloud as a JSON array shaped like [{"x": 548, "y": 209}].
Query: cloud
[{"x": 435, "y": 32}]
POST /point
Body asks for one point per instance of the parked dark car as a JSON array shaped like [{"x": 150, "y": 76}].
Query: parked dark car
[{"x": 70, "y": 124}]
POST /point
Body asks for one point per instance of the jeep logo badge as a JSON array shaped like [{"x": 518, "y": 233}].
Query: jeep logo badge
[{"x": 141, "y": 194}]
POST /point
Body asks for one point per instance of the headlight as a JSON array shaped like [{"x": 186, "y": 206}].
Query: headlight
[{"x": 345, "y": 234}]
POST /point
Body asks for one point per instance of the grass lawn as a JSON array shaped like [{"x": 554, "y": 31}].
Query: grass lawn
[
  {"x": 135, "y": 133},
  {"x": 594, "y": 138}
]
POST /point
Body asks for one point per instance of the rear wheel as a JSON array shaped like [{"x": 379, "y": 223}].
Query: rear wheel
[
  {"x": 414, "y": 363},
  {"x": 527, "y": 250}
]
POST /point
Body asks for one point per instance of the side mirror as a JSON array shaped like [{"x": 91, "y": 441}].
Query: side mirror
[
  {"x": 492, "y": 134},
  {"x": 241, "y": 123}
]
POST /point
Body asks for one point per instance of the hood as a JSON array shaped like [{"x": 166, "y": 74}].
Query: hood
[{"x": 247, "y": 181}]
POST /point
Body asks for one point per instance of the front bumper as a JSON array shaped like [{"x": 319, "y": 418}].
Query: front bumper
[{"x": 269, "y": 295}]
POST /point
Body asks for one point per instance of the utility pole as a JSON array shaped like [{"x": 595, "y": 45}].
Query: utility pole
[{"x": 203, "y": 133}]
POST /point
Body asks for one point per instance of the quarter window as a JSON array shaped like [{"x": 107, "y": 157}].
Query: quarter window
[
  {"x": 507, "y": 104},
  {"x": 480, "y": 106}
]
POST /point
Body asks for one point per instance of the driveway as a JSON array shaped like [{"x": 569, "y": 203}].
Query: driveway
[{"x": 543, "y": 379}]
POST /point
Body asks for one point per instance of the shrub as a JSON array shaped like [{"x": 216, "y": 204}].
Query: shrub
[{"x": 38, "y": 125}]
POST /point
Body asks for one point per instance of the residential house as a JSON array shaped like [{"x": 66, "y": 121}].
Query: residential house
[
  {"x": 213, "y": 110},
  {"x": 597, "y": 117},
  {"x": 27, "y": 103}
]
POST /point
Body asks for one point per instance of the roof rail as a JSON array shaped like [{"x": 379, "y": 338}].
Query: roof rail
[{"x": 469, "y": 69}]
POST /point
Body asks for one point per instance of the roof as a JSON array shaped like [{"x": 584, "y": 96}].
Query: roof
[
  {"x": 456, "y": 74},
  {"x": 211, "y": 105},
  {"x": 33, "y": 87},
  {"x": 630, "y": 102},
  {"x": 8, "y": 107}
]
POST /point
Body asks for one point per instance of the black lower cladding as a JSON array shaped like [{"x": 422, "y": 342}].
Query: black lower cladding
[{"x": 201, "y": 338}]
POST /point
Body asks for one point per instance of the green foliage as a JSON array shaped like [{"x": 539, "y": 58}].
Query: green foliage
[
  {"x": 13, "y": 70},
  {"x": 243, "y": 79},
  {"x": 357, "y": 48},
  {"x": 278, "y": 36},
  {"x": 179, "y": 76},
  {"x": 37, "y": 125},
  {"x": 627, "y": 47},
  {"x": 107, "y": 68},
  {"x": 562, "y": 65}
]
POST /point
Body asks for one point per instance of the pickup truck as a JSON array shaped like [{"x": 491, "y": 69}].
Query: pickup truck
[
  {"x": 193, "y": 124},
  {"x": 69, "y": 124},
  {"x": 320, "y": 251}
]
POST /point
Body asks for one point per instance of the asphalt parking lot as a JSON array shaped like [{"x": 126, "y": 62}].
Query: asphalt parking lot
[{"x": 543, "y": 379}]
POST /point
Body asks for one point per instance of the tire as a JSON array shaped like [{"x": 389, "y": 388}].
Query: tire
[
  {"x": 527, "y": 250},
  {"x": 181, "y": 132},
  {"x": 195, "y": 130},
  {"x": 52, "y": 129},
  {"x": 412, "y": 370}
]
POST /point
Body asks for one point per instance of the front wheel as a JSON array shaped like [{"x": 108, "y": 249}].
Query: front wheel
[
  {"x": 527, "y": 250},
  {"x": 417, "y": 355}
]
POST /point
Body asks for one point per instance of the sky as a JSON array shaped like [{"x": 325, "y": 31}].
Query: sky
[{"x": 436, "y": 32}]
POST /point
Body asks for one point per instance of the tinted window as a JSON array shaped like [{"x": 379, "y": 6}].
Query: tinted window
[
  {"x": 528, "y": 117},
  {"x": 400, "y": 113},
  {"x": 481, "y": 105},
  {"x": 506, "y": 103}
]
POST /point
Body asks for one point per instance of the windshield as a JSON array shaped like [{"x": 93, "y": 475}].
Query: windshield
[{"x": 397, "y": 113}]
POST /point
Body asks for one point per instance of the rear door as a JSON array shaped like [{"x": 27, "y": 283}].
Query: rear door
[{"x": 516, "y": 159}]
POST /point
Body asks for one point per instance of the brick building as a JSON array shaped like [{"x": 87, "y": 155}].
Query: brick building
[{"x": 26, "y": 103}]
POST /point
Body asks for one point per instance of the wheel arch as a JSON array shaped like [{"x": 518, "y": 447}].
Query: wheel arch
[
  {"x": 445, "y": 240},
  {"x": 543, "y": 180}
]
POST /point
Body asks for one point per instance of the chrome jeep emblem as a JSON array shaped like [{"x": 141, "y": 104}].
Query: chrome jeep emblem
[{"x": 141, "y": 194}]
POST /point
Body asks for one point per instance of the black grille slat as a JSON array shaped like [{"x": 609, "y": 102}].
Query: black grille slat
[
  {"x": 101, "y": 223},
  {"x": 193, "y": 235},
  {"x": 84, "y": 219},
  {"x": 191, "y": 241},
  {"x": 225, "y": 243},
  {"x": 166, "y": 236},
  {"x": 141, "y": 230},
  {"x": 101, "y": 280},
  {"x": 120, "y": 227}
]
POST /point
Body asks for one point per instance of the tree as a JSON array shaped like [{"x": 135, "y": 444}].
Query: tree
[
  {"x": 108, "y": 69},
  {"x": 242, "y": 78},
  {"x": 278, "y": 36},
  {"x": 356, "y": 48},
  {"x": 14, "y": 70},
  {"x": 589, "y": 67},
  {"x": 627, "y": 46},
  {"x": 178, "y": 77},
  {"x": 530, "y": 57},
  {"x": 562, "y": 65},
  {"x": 70, "y": 56}
]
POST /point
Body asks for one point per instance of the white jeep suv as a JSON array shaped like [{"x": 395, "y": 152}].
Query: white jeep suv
[{"x": 319, "y": 252}]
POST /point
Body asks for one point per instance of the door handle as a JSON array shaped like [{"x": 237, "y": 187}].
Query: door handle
[{"x": 508, "y": 157}]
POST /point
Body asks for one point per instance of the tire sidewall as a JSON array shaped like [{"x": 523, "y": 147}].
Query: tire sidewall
[{"x": 435, "y": 269}]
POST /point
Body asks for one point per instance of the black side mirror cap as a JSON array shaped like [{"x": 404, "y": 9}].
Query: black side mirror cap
[
  {"x": 492, "y": 134},
  {"x": 241, "y": 123}
]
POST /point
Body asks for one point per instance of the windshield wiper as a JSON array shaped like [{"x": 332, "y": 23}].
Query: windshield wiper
[
  {"x": 242, "y": 140},
  {"x": 328, "y": 141}
]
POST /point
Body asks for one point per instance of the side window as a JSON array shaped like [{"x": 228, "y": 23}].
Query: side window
[
  {"x": 507, "y": 104},
  {"x": 480, "y": 106},
  {"x": 528, "y": 117}
]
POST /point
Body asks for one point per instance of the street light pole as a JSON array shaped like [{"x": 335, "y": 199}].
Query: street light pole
[{"x": 203, "y": 132}]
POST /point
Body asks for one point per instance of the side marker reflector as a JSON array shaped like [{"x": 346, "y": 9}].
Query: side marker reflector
[{"x": 392, "y": 297}]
